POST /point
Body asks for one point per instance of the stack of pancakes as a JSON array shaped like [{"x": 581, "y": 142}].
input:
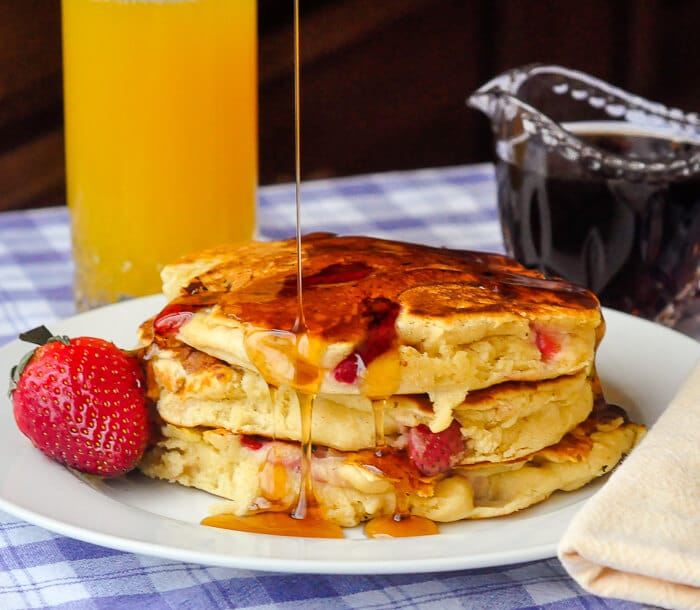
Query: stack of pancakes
[{"x": 446, "y": 384}]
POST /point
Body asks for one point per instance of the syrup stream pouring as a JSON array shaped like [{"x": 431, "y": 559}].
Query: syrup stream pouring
[{"x": 305, "y": 496}]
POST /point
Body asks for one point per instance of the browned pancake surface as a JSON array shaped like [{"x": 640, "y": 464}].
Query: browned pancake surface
[{"x": 342, "y": 275}]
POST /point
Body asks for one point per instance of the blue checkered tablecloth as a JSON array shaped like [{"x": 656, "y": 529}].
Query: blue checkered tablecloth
[{"x": 452, "y": 207}]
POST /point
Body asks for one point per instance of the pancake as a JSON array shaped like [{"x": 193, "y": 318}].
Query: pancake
[
  {"x": 382, "y": 317},
  {"x": 255, "y": 474},
  {"x": 441, "y": 383},
  {"x": 192, "y": 389}
]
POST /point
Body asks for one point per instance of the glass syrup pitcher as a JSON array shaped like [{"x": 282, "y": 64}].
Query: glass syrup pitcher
[{"x": 598, "y": 186}]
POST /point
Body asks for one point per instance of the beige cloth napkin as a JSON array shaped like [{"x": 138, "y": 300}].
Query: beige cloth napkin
[{"x": 638, "y": 538}]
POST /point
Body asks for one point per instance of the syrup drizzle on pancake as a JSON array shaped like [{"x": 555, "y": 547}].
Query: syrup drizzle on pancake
[
  {"x": 378, "y": 408},
  {"x": 347, "y": 278}
]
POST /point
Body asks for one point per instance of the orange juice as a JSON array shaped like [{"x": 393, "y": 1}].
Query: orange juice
[{"x": 161, "y": 135}]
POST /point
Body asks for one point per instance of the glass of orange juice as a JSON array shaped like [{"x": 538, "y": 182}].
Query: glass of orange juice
[{"x": 161, "y": 135}]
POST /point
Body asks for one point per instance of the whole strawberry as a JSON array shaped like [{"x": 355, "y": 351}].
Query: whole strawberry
[
  {"x": 435, "y": 452},
  {"x": 81, "y": 402}
]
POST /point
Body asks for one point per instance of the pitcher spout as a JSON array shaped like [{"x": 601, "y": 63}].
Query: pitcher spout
[
  {"x": 490, "y": 97},
  {"x": 541, "y": 109}
]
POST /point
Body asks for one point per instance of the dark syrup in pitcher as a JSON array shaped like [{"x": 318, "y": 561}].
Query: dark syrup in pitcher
[{"x": 635, "y": 243}]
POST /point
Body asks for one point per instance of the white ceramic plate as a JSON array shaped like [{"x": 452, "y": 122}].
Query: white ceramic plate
[{"x": 641, "y": 364}]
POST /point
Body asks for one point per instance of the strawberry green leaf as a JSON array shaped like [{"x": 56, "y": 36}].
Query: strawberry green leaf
[
  {"x": 16, "y": 371},
  {"x": 39, "y": 336}
]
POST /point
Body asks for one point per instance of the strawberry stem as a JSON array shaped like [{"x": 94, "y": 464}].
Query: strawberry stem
[{"x": 39, "y": 335}]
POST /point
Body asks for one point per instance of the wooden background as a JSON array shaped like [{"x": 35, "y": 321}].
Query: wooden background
[{"x": 383, "y": 81}]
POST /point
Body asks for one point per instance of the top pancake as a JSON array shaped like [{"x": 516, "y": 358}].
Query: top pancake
[{"x": 408, "y": 318}]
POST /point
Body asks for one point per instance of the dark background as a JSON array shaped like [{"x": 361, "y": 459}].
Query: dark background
[{"x": 383, "y": 81}]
